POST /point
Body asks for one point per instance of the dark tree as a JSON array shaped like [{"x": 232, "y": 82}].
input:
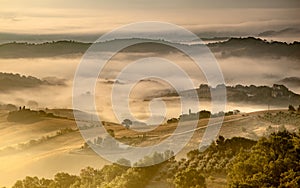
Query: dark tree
[
  {"x": 62, "y": 180},
  {"x": 189, "y": 178},
  {"x": 220, "y": 140},
  {"x": 127, "y": 123},
  {"x": 292, "y": 108}
]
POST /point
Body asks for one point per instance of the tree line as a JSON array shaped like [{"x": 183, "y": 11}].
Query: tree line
[{"x": 272, "y": 161}]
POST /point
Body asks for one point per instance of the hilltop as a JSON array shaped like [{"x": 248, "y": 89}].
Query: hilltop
[
  {"x": 292, "y": 81},
  {"x": 255, "y": 47},
  {"x": 10, "y": 81},
  {"x": 283, "y": 32},
  {"x": 237, "y": 47},
  {"x": 276, "y": 95}
]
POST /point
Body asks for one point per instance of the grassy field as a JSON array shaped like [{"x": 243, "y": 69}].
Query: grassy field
[{"x": 36, "y": 149}]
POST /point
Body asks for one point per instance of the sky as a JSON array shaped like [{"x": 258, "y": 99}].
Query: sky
[{"x": 97, "y": 16}]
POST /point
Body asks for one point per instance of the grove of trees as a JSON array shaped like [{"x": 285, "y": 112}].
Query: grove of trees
[{"x": 272, "y": 161}]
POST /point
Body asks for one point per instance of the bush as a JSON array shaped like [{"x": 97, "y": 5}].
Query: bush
[
  {"x": 292, "y": 108},
  {"x": 189, "y": 178}
]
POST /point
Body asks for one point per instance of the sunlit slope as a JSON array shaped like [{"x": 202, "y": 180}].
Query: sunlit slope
[
  {"x": 12, "y": 133},
  {"x": 63, "y": 152},
  {"x": 43, "y": 159}
]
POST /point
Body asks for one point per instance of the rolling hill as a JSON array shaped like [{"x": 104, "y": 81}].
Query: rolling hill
[
  {"x": 10, "y": 81},
  {"x": 63, "y": 151},
  {"x": 236, "y": 47}
]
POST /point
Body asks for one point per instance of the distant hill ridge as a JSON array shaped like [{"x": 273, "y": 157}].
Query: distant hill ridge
[
  {"x": 283, "y": 32},
  {"x": 255, "y": 47},
  {"x": 10, "y": 81},
  {"x": 248, "y": 47},
  {"x": 277, "y": 95},
  {"x": 293, "y": 81}
]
